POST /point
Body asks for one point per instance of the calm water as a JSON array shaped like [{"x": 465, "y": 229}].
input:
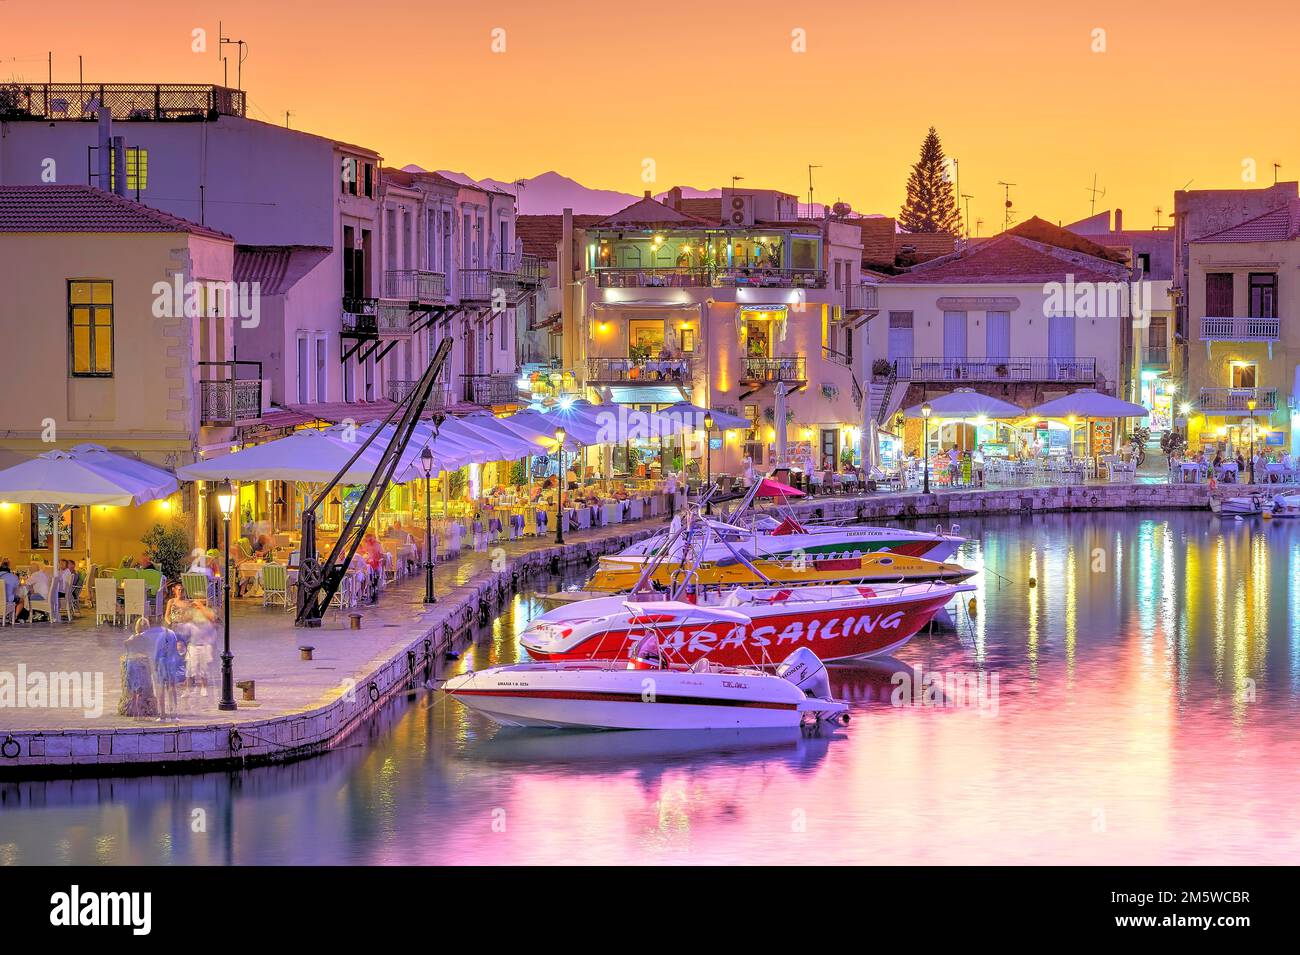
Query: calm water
[{"x": 1148, "y": 690}]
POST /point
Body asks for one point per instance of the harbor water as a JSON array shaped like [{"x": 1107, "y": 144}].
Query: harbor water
[{"x": 1125, "y": 689}]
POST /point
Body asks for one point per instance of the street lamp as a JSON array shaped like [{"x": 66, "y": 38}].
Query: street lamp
[
  {"x": 226, "y": 501},
  {"x": 1250, "y": 404},
  {"x": 426, "y": 460},
  {"x": 708, "y": 456},
  {"x": 925, "y": 447},
  {"x": 560, "y": 435}
]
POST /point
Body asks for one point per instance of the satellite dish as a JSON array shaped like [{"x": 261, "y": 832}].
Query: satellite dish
[{"x": 841, "y": 208}]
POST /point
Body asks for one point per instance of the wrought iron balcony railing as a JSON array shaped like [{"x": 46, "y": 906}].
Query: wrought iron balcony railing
[
  {"x": 996, "y": 369},
  {"x": 611, "y": 370},
  {"x": 860, "y": 297},
  {"x": 360, "y": 317},
  {"x": 667, "y": 277},
  {"x": 1237, "y": 400},
  {"x": 398, "y": 388},
  {"x": 126, "y": 101},
  {"x": 1157, "y": 355},
  {"x": 839, "y": 357},
  {"x": 524, "y": 267},
  {"x": 225, "y": 399},
  {"x": 761, "y": 370},
  {"x": 415, "y": 285},
  {"x": 762, "y": 277},
  {"x": 491, "y": 390},
  {"x": 1240, "y": 329}
]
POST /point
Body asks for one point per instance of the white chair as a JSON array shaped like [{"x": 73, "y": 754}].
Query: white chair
[
  {"x": 35, "y": 602},
  {"x": 133, "y": 590},
  {"x": 6, "y": 606},
  {"x": 105, "y": 599}
]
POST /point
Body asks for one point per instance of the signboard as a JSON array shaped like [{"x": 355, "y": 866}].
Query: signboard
[
  {"x": 1103, "y": 437},
  {"x": 1275, "y": 438}
]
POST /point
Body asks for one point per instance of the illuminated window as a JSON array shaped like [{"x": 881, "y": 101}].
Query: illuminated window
[
  {"x": 137, "y": 169},
  {"x": 90, "y": 327}
]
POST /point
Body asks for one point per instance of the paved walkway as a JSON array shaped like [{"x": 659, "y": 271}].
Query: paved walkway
[{"x": 265, "y": 645}]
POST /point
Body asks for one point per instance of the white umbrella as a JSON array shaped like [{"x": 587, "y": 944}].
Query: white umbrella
[
  {"x": 693, "y": 417},
  {"x": 86, "y": 475},
  {"x": 309, "y": 456},
  {"x": 968, "y": 403},
  {"x": 1088, "y": 403}
]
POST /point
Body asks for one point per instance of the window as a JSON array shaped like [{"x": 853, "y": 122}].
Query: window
[
  {"x": 321, "y": 377},
  {"x": 137, "y": 169},
  {"x": 1263, "y": 295},
  {"x": 1144, "y": 262},
  {"x": 42, "y": 520},
  {"x": 348, "y": 176},
  {"x": 1218, "y": 294},
  {"x": 303, "y": 392},
  {"x": 90, "y": 325},
  {"x": 954, "y": 335},
  {"x": 1243, "y": 375},
  {"x": 687, "y": 340},
  {"x": 1158, "y": 332}
]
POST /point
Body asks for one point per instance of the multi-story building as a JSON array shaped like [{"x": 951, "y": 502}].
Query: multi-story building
[
  {"x": 1028, "y": 315},
  {"x": 1243, "y": 301},
  {"x": 724, "y": 305},
  {"x": 112, "y": 311},
  {"x": 1153, "y": 357}
]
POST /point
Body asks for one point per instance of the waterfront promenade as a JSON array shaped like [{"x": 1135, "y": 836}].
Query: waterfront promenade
[{"x": 307, "y": 706}]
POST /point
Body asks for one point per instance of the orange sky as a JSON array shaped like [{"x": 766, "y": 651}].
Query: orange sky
[{"x": 714, "y": 90}]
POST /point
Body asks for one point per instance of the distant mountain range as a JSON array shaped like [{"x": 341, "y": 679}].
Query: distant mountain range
[{"x": 551, "y": 193}]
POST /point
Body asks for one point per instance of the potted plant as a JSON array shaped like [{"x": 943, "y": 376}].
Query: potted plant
[
  {"x": 882, "y": 368},
  {"x": 169, "y": 549}
]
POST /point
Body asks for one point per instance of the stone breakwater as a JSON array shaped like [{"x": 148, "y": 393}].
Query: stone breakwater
[{"x": 190, "y": 746}]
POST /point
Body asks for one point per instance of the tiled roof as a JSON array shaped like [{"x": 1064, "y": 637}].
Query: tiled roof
[
  {"x": 276, "y": 268},
  {"x": 406, "y": 177},
  {"x": 55, "y": 208},
  {"x": 704, "y": 208},
  {"x": 1040, "y": 230},
  {"x": 1009, "y": 259},
  {"x": 650, "y": 213},
  {"x": 540, "y": 234},
  {"x": 1279, "y": 225}
]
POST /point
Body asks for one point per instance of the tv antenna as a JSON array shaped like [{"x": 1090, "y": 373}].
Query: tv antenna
[
  {"x": 1096, "y": 193},
  {"x": 287, "y": 114},
  {"x": 968, "y": 197},
  {"x": 1159, "y": 213},
  {"x": 734, "y": 180},
  {"x": 1006, "y": 205},
  {"x": 1276, "y": 167},
  {"x": 978, "y": 223},
  {"x": 811, "y": 167},
  {"x": 242, "y": 55}
]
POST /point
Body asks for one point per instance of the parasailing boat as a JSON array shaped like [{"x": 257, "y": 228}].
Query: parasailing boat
[
  {"x": 646, "y": 693},
  {"x": 742, "y": 626}
]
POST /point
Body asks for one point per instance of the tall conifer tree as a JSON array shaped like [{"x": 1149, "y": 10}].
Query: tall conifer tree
[{"x": 931, "y": 205}]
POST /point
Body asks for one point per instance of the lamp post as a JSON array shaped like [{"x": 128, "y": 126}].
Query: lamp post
[
  {"x": 925, "y": 448},
  {"x": 226, "y": 501},
  {"x": 426, "y": 460},
  {"x": 1250, "y": 405},
  {"x": 708, "y": 457},
  {"x": 560, "y": 435}
]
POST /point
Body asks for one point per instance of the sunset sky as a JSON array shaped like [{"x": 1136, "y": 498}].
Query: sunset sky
[{"x": 711, "y": 91}]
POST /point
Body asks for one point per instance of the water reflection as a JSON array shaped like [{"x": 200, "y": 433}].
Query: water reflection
[{"x": 1148, "y": 688}]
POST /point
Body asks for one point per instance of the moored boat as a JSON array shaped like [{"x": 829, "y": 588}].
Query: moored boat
[
  {"x": 743, "y": 626},
  {"x": 646, "y": 694}
]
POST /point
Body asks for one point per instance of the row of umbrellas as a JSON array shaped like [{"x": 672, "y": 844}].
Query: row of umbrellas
[{"x": 1084, "y": 403}]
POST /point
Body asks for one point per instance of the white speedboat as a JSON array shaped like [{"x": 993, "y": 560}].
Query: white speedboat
[
  {"x": 1286, "y": 505},
  {"x": 644, "y": 693},
  {"x": 1242, "y": 506}
]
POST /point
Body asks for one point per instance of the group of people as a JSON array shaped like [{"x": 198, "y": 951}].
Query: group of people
[
  {"x": 34, "y": 587},
  {"x": 1225, "y": 456},
  {"x": 162, "y": 664}
]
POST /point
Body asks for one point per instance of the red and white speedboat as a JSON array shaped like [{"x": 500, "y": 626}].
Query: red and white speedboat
[
  {"x": 745, "y": 626},
  {"x": 643, "y": 694}
]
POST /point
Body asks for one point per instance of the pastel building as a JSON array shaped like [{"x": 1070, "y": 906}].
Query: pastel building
[
  {"x": 104, "y": 311},
  {"x": 734, "y": 303},
  {"x": 1026, "y": 316},
  {"x": 1243, "y": 301}
]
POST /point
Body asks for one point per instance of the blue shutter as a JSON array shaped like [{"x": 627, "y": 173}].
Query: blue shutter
[
  {"x": 997, "y": 341},
  {"x": 954, "y": 335}
]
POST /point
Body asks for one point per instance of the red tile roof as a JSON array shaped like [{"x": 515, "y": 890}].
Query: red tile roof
[
  {"x": 55, "y": 208},
  {"x": 1279, "y": 225},
  {"x": 541, "y": 233},
  {"x": 1011, "y": 259},
  {"x": 650, "y": 213}
]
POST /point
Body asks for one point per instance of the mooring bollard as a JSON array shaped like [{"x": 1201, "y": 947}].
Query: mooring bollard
[
  {"x": 305, "y": 652},
  {"x": 354, "y": 621},
  {"x": 248, "y": 689}
]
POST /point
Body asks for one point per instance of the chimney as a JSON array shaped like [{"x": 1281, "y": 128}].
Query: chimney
[
  {"x": 647, "y": 193},
  {"x": 119, "y": 165},
  {"x": 105, "y": 151},
  {"x": 675, "y": 198},
  {"x": 1119, "y": 220}
]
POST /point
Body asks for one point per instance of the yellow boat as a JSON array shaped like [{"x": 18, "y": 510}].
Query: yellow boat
[{"x": 620, "y": 574}]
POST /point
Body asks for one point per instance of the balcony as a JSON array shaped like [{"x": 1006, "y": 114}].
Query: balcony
[
  {"x": 397, "y": 389},
  {"x": 491, "y": 390},
  {"x": 360, "y": 317},
  {"x": 416, "y": 286},
  {"x": 1237, "y": 401},
  {"x": 860, "y": 298},
  {"x": 1156, "y": 355},
  {"x": 997, "y": 369},
  {"x": 764, "y": 371},
  {"x": 668, "y": 277},
  {"x": 617, "y": 371},
  {"x": 1240, "y": 329},
  {"x": 159, "y": 102},
  {"x": 741, "y": 277},
  {"x": 225, "y": 399},
  {"x": 525, "y": 268}
]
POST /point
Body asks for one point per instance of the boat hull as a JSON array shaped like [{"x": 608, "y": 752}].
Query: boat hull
[
  {"x": 846, "y": 633},
  {"x": 602, "y": 698}
]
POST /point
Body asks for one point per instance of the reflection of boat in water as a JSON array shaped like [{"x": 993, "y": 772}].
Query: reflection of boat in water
[
  {"x": 644, "y": 694},
  {"x": 801, "y": 747},
  {"x": 743, "y": 626}
]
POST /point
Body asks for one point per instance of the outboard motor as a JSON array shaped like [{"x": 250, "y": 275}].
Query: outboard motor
[{"x": 805, "y": 670}]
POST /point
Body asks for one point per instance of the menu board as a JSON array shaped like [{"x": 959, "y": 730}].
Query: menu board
[{"x": 1103, "y": 437}]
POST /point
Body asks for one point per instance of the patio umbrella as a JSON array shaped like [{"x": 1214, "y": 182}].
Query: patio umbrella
[
  {"x": 693, "y": 416},
  {"x": 1088, "y": 403},
  {"x": 87, "y": 474},
  {"x": 770, "y": 488},
  {"x": 968, "y": 403},
  {"x": 308, "y": 456}
]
